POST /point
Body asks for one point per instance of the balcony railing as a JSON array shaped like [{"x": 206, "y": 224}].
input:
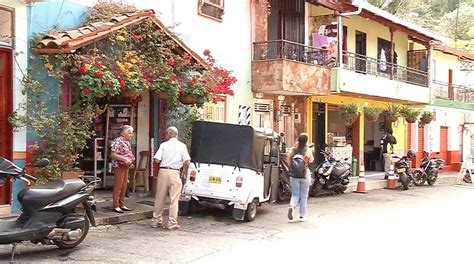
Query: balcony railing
[
  {"x": 283, "y": 49},
  {"x": 460, "y": 93},
  {"x": 366, "y": 65}
]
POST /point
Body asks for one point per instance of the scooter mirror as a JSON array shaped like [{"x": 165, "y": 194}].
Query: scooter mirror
[{"x": 42, "y": 163}]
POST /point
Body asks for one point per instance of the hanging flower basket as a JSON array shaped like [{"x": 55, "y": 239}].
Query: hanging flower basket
[
  {"x": 410, "y": 119},
  {"x": 163, "y": 95},
  {"x": 188, "y": 99},
  {"x": 391, "y": 118},
  {"x": 372, "y": 117},
  {"x": 130, "y": 94},
  {"x": 426, "y": 119},
  {"x": 350, "y": 118}
]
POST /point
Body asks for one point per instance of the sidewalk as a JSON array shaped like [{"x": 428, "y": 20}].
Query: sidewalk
[{"x": 143, "y": 203}]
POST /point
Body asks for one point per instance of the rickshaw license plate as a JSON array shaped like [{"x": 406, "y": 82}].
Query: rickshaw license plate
[
  {"x": 401, "y": 170},
  {"x": 213, "y": 179}
]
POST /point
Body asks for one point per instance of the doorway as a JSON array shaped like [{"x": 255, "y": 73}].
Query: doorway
[
  {"x": 361, "y": 52},
  {"x": 319, "y": 129},
  {"x": 6, "y": 108}
]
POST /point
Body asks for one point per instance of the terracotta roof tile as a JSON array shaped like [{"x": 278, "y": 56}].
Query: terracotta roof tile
[
  {"x": 462, "y": 55},
  {"x": 71, "y": 40}
]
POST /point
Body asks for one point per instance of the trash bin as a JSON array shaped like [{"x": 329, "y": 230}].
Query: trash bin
[{"x": 354, "y": 166}]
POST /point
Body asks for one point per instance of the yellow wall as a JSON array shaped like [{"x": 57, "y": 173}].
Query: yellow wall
[{"x": 373, "y": 30}]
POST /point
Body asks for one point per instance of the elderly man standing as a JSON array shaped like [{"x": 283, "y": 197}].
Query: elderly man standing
[{"x": 171, "y": 156}]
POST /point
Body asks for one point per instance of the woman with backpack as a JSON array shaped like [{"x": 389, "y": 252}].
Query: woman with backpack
[{"x": 300, "y": 176}]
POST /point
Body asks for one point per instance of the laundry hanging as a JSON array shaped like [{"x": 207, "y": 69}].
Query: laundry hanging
[{"x": 383, "y": 60}]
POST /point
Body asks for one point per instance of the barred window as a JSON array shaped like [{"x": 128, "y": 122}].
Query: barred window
[{"x": 213, "y": 9}]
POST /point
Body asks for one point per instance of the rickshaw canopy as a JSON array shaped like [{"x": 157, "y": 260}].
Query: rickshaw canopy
[{"x": 228, "y": 144}]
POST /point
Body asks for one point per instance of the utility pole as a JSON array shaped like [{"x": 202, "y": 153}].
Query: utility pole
[{"x": 456, "y": 26}]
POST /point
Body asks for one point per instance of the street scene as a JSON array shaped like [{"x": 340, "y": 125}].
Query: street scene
[{"x": 214, "y": 131}]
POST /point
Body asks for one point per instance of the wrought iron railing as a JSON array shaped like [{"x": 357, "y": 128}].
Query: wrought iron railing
[
  {"x": 283, "y": 49},
  {"x": 366, "y": 65},
  {"x": 460, "y": 93}
]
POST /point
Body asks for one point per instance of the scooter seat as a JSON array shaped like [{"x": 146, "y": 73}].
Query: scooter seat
[{"x": 41, "y": 195}]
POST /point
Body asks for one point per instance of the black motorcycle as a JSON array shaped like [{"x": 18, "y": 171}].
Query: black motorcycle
[
  {"x": 403, "y": 169},
  {"x": 331, "y": 176},
  {"x": 49, "y": 213},
  {"x": 428, "y": 171}
]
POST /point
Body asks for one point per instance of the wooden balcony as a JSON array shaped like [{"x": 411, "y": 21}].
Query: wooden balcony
[{"x": 289, "y": 68}]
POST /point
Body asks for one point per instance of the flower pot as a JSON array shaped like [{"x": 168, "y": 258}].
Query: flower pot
[
  {"x": 350, "y": 118},
  {"x": 410, "y": 119},
  {"x": 372, "y": 117},
  {"x": 391, "y": 118},
  {"x": 163, "y": 95},
  {"x": 130, "y": 94},
  {"x": 426, "y": 119},
  {"x": 188, "y": 99}
]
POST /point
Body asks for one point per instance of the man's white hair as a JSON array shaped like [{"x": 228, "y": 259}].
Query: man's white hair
[{"x": 173, "y": 128}]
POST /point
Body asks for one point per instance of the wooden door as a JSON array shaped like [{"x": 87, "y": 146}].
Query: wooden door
[
  {"x": 6, "y": 131},
  {"x": 443, "y": 144}
]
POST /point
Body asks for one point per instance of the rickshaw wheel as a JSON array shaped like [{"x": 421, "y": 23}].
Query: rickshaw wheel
[{"x": 251, "y": 211}]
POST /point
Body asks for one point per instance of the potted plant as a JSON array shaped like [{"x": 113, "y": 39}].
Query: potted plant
[
  {"x": 165, "y": 88},
  {"x": 410, "y": 114},
  {"x": 193, "y": 92},
  {"x": 349, "y": 112},
  {"x": 372, "y": 113},
  {"x": 94, "y": 79},
  {"x": 131, "y": 78},
  {"x": 391, "y": 112},
  {"x": 427, "y": 117}
]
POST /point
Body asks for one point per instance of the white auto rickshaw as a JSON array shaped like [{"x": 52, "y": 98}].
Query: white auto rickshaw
[{"x": 232, "y": 166}]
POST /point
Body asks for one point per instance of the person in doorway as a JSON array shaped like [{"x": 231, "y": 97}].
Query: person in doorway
[
  {"x": 300, "y": 186},
  {"x": 122, "y": 160},
  {"x": 171, "y": 156},
  {"x": 387, "y": 139}
]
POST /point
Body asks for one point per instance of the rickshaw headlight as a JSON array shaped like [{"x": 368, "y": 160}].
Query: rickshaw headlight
[
  {"x": 238, "y": 181},
  {"x": 192, "y": 175},
  {"x": 320, "y": 171}
]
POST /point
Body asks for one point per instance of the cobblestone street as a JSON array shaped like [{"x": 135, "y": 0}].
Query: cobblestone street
[{"x": 423, "y": 224}]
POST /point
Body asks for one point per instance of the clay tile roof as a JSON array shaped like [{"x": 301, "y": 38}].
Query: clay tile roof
[
  {"x": 71, "y": 40},
  {"x": 462, "y": 55}
]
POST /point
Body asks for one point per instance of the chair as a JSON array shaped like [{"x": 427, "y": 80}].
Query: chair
[{"x": 142, "y": 169}]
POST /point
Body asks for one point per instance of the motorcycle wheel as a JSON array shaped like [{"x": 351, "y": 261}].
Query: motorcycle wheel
[
  {"x": 431, "y": 181},
  {"x": 418, "y": 178},
  {"x": 341, "y": 190},
  {"x": 71, "y": 244},
  {"x": 405, "y": 182},
  {"x": 283, "y": 195},
  {"x": 467, "y": 177},
  {"x": 313, "y": 191}
]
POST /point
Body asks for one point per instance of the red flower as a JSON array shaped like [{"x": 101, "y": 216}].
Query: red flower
[
  {"x": 136, "y": 37},
  {"x": 145, "y": 88},
  {"x": 108, "y": 83},
  {"x": 171, "y": 62},
  {"x": 207, "y": 53},
  {"x": 98, "y": 74},
  {"x": 98, "y": 66},
  {"x": 82, "y": 70},
  {"x": 182, "y": 89},
  {"x": 85, "y": 91},
  {"x": 122, "y": 84}
]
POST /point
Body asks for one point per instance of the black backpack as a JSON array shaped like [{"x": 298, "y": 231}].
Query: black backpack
[{"x": 298, "y": 166}]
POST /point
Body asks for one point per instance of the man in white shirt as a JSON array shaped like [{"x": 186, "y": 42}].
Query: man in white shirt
[{"x": 171, "y": 156}]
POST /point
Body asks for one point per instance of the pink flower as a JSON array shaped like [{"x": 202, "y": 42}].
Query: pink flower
[
  {"x": 207, "y": 52},
  {"x": 171, "y": 62}
]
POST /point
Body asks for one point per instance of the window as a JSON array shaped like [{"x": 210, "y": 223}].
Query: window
[
  {"x": 214, "y": 112},
  {"x": 6, "y": 26},
  {"x": 213, "y": 9}
]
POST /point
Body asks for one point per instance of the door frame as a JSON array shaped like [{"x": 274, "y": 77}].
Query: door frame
[{"x": 6, "y": 110}]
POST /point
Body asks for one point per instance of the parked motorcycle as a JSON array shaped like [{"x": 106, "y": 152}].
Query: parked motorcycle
[
  {"x": 49, "y": 213},
  {"x": 284, "y": 187},
  {"x": 403, "y": 169},
  {"x": 428, "y": 171},
  {"x": 331, "y": 176}
]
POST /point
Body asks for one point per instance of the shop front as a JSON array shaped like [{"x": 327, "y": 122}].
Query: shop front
[{"x": 357, "y": 142}]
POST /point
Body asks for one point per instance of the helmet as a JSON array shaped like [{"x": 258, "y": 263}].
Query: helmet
[{"x": 411, "y": 153}]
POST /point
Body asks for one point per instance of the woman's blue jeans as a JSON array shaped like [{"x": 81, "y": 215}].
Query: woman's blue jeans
[{"x": 299, "y": 193}]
